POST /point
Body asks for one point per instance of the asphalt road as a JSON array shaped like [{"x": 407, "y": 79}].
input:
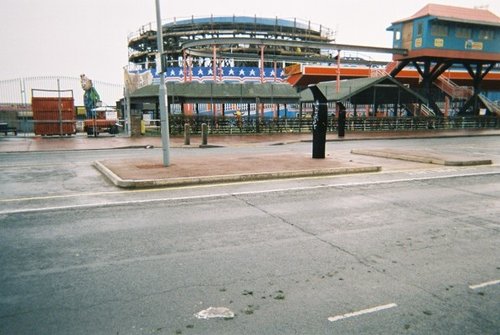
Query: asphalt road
[{"x": 411, "y": 250}]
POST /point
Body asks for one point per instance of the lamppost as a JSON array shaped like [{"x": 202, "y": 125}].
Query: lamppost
[{"x": 162, "y": 92}]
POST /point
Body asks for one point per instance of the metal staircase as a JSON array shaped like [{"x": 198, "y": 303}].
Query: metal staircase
[
  {"x": 427, "y": 111},
  {"x": 446, "y": 85},
  {"x": 453, "y": 90},
  {"x": 420, "y": 110},
  {"x": 490, "y": 105},
  {"x": 391, "y": 66},
  {"x": 464, "y": 93},
  {"x": 382, "y": 72}
]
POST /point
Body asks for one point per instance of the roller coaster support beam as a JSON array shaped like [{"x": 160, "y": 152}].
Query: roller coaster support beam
[
  {"x": 477, "y": 75},
  {"x": 429, "y": 74}
]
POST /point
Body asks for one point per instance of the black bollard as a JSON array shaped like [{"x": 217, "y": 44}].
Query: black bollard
[
  {"x": 320, "y": 121},
  {"x": 341, "y": 119}
]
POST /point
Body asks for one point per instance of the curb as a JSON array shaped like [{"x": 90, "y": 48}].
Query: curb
[
  {"x": 188, "y": 181},
  {"x": 422, "y": 158}
]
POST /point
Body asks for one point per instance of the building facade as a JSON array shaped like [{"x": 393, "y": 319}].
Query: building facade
[{"x": 447, "y": 31}]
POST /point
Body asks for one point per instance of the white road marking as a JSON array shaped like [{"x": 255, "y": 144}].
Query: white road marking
[
  {"x": 362, "y": 312},
  {"x": 107, "y": 204},
  {"x": 218, "y": 195},
  {"x": 488, "y": 283}
]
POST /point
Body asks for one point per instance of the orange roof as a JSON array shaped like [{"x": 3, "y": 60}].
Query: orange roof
[
  {"x": 453, "y": 13},
  {"x": 313, "y": 74}
]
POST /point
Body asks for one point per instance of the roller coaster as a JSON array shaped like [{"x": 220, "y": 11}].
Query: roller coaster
[{"x": 441, "y": 49}]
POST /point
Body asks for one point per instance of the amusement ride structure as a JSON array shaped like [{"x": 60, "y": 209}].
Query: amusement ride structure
[{"x": 446, "y": 53}]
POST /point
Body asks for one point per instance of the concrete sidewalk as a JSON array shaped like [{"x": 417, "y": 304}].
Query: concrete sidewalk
[
  {"x": 424, "y": 156},
  {"x": 132, "y": 173}
]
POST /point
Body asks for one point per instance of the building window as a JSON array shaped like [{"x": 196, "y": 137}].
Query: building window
[
  {"x": 397, "y": 35},
  {"x": 420, "y": 29},
  {"x": 486, "y": 34},
  {"x": 439, "y": 29},
  {"x": 463, "y": 32}
]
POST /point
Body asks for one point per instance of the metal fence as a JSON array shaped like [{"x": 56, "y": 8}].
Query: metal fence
[
  {"x": 16, "y": 96},
  {"x": 231, "y": 125},
  {"x": 25, "y": 126},
  {"x": 18, "y": 91}
]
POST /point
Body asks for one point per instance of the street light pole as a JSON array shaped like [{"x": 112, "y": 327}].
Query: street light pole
[{"x": 162, "y": 92}]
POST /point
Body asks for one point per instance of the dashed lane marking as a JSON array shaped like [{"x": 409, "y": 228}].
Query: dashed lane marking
[
  {"x": 362, "y": 312},
  {"x": 488, "y": 283}
]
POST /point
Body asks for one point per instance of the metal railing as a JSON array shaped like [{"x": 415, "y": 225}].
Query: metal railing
[
  {"x": 299, "y": 23},
  {"x": 455, "y": 91},
  {"x": 253, "y": 125},
  {"x": 230, "y": 125}
]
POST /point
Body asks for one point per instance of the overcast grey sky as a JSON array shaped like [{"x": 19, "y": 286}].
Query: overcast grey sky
[{"x": 68, "y": 37}]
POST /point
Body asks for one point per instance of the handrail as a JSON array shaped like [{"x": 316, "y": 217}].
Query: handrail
[
  {"x": 451, "y": 88},
  {"x": 382, "y": 72},
  {"x": 427, "y": 111}
]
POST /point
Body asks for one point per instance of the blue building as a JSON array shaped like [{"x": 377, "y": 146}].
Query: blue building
[
  {"x": 446, "y": 31},
  {"x": 438, "y": 37}
]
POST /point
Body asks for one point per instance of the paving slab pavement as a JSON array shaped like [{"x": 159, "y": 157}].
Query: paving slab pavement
[
  {"x": 222, "y": 169},
  {"x": 23, "y": 143}
]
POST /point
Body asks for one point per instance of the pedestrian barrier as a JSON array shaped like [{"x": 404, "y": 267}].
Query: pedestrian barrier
[
  {"x": 229, "y": 126},
  {"x": 252, "y": 125}
]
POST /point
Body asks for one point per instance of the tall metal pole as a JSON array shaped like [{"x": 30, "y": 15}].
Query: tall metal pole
[
  {"x": 214, "y": 62},
  {"x": 338, "y": 71},
  {"x": 59, "y": 107},
  {"x": 162, "y": 92},
  {"x": 127, "y": 111},
  {"x": 261, "y": 64}
]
